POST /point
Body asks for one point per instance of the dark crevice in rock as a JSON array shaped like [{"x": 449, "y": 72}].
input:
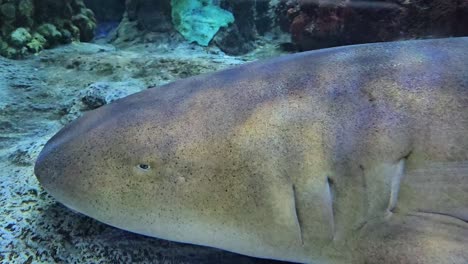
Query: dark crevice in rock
[{"x": 107, "y": 10}]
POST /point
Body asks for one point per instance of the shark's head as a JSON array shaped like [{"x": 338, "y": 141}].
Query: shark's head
[
  {"x": 147, "y": 165},
  {"x": 286, "y": 159}
]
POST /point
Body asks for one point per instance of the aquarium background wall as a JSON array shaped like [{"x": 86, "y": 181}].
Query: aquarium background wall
[
  {"x": 28, "y": 26},
  {"x": 62, "y": 58}
]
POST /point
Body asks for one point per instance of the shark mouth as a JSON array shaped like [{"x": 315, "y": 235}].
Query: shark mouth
[{"x": 459, "y": 216}]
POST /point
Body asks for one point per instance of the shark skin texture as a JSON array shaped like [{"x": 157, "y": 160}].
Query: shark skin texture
[{"x": 355, "y": 154}]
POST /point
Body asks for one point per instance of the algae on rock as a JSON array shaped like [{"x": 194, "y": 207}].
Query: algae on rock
[
  {"x": 20, "y": 37},
  {"x": 199, "y": 20},
  {"x": 28, "y": 26},
  {"x": 37, "y": 43}
]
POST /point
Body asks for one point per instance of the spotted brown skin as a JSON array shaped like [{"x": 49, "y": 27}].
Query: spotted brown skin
[{"x": 354, "y": 154}]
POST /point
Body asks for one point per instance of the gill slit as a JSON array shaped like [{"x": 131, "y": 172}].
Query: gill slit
[
  {"x": 395, "y": 186},
  {"x": 396, "y": 183},
  {"x": 298, "y": 218},
  {"x": 330, "y": 192}
]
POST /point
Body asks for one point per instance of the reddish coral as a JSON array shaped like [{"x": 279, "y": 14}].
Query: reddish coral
[
  {"x": 325, "y": 23},
  {"x": 298, "y": 26}
]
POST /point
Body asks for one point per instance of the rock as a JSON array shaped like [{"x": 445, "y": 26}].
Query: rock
[
  {"x": 26, "y": 12},
  {"x": 156, "y": 21},
  {"x": 101, "y": 93},
  {"x": 321, "y": 24},
  {"x": 96, "y": 95},
  {"x": 8, "y": 11},
  {"x": 86, "y": 24},
  {"x": 231, "y": 41},
  {"x": 126, "y": 31},
  {"x": 107, "y": 10},
  {"x": 253, "y": 19},
  {"x": 153, "y": 16},
  {"x": 37, "y": 43},
  {"x": 238, "y": 38},
  {"x": 93, "y": 101},
  {"x": 198, "y": 21},
  {"x": 50, "y": 33},
  {"x": 26, "y": 8},
  {"x": 143, "y": 18},
  {"x": 133, "y": 6},
  {"x": 74, "y": 30},
  {"x": 58, "y": 22},
  {"x": 20, "y": 37},
  {"x": 67, "y": 36},
  {"x": 6, "y": 50}
]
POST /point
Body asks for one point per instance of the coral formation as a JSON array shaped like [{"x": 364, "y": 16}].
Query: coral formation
[
  {"x": 198, "y": 21},
  {"x": 20, "y": 37},
  {"x": 235, "y": 27},
  {"x": 320, "y": 24},
  {"x": 144, "y": 19},
  {"x": 28, "y": 26}
]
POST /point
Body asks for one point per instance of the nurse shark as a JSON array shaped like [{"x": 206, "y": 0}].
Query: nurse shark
[{"x": 355, "y": 154}]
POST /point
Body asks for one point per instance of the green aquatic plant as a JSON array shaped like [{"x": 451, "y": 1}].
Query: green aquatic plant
[{"x": 199, "y": 20}]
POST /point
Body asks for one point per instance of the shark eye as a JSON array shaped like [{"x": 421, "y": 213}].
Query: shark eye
[{"x": 144, "y": 166}]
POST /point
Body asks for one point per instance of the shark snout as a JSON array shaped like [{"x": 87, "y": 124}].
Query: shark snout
[{"x": 47, "y": 167}]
